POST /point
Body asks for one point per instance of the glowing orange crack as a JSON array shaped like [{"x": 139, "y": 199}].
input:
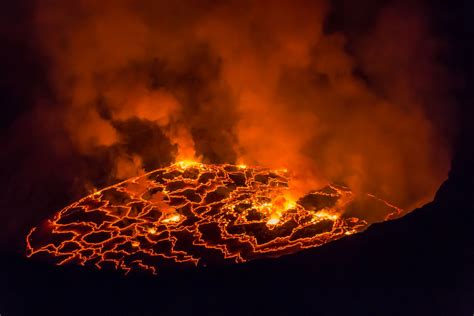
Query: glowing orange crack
[{"x": 191, "y": 213}]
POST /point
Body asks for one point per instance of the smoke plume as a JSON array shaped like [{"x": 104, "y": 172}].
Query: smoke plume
[{"x": 255, "y": 82}]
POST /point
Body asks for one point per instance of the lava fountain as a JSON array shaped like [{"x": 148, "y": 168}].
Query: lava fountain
[{"x": 197, "y": 214}]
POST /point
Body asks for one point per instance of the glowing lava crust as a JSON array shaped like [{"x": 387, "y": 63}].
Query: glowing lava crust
[{"x": 192, "y": 213}]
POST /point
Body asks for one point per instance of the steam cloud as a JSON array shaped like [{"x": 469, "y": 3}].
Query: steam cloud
[{"x": 255, "y": 82}]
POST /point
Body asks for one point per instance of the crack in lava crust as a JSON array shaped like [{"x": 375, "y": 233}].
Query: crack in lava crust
[{"x": 192, "y": 213}]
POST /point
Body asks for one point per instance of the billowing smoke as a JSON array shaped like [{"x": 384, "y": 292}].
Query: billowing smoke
[{"x": 256, "y": 82}]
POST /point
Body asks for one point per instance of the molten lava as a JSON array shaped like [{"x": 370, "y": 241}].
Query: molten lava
[{"x": 192, "y": 213}]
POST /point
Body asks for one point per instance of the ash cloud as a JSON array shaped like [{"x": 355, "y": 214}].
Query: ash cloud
[
  {"x": 137, "y": 85},
  {"x": 257, "y": 82}
]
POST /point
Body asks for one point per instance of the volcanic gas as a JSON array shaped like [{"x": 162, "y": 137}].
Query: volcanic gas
[{"x": 198, "y": 214}]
